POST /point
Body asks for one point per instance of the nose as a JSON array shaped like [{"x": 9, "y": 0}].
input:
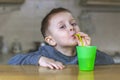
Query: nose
[{"x": 71, "y": 28}]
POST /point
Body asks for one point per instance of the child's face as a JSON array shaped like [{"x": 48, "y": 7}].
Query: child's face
[{"x": 62, "y": 29}]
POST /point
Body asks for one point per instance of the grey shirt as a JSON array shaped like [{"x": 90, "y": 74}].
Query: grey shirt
[{"x": 50, "y": 52}]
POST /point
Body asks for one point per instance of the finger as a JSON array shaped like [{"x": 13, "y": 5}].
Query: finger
[
  {"x": 84, "y": 42},
  {"x": 50, "y": 66},
  {"x": 88, "y": 40},
  {"x": 77, "y": 39},
  {"x": 57, "y": 65},
  {"x": 83, "y": 34},
  {"x": 79, "y": 43},
  {"x": 54, "y": 64},
  {"x": 47, "y": 65},
  {"x": 87, "y": 37},
  {"x": 60, "y": 65}
]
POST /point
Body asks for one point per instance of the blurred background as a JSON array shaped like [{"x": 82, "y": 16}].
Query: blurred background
[{"x": 20, "y": 22}]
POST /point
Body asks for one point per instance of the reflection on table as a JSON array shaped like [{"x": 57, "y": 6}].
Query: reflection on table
[
  {"x": 71, "y": 72},
  {"x": 86, "y": 75}
]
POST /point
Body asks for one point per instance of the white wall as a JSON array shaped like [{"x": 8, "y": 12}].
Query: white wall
[
  {"x": 24, "y": 24},
  {"x": 107, "y": 34}
]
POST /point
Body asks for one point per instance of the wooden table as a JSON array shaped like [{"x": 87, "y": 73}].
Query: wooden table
[{"x": 71, "y": 72}]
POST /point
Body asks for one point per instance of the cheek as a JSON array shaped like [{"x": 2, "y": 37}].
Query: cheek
[
  {"x": 77, "y": 29},
  {"x": 61, "y": 37},
  {"x": 61, "y": 34}
]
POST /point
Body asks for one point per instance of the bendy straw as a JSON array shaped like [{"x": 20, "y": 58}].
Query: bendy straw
[{"x": 80, "y": 39}]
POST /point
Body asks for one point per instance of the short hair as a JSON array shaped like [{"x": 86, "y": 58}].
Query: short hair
[{"x": 45, "y": 21}]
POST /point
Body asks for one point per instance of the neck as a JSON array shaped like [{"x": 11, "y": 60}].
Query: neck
[{"x": 68, "y": 51}]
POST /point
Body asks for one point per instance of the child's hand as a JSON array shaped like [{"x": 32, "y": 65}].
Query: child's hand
[
  {"x": 85, "y": 39},
  {"x": 50, "y": 63}
]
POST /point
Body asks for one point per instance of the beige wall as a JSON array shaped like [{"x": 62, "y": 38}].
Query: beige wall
[
  {"x": 24, "y": 23},
  {"x": 107, "y": 34}
]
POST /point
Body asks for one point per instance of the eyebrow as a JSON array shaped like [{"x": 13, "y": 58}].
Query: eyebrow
[
  {"x": 73, "y": 20},
  {"x": 62, "y": 21}
]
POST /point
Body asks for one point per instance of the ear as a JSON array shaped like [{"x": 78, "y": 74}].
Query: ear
[{"x": 50, "y": 41}]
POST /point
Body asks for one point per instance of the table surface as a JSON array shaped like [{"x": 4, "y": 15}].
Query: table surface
[{"x": 71, "y": 72}]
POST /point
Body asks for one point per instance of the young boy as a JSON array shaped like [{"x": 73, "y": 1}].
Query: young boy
[{"x": 58, "y": 29}]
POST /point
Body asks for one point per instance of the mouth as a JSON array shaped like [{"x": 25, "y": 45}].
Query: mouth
[{"x": 74, "y": 36}]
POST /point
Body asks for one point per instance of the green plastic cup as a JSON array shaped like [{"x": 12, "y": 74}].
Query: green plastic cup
[{"x": 86, "y": 57}]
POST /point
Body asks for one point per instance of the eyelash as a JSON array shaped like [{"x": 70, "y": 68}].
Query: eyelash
[
  {"x": 63, "y": 26},
  {"x": 73, "y": 24}
]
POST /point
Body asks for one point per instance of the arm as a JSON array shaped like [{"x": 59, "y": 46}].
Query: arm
[
  {"x": 29, "y": 58},
  {"x": 36, "y": 58},
  {"x": 103, "y": 58},
  {"x": 50, "y": 63}
]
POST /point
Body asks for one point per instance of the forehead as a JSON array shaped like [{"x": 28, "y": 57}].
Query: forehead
[{"x": 62, "y": 16}]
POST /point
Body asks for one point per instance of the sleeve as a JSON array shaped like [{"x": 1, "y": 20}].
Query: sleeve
[
  {"x": 103, "y": 58},
  {"x": 25, "y": 59}
]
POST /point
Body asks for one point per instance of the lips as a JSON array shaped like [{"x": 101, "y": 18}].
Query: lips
[{"x": 73, "y": 36}]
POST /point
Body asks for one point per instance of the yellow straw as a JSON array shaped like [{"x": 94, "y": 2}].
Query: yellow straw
[{"x": 80, "y": 39}]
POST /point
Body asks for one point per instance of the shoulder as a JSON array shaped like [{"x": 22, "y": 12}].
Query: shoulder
[
  {"x": 46, "y": 47},
  {"x": 103, "y": 58},
  {"x": 47, "y": 50}
]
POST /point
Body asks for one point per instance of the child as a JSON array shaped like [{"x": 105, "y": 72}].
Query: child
[{"x": 58, "y": 29}]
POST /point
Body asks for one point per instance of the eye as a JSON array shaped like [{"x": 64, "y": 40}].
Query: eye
[
  {"x": 62, "y": 27},
  {"x": 73, "y": 24}
]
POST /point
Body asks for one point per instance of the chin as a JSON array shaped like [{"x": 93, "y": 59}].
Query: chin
[{"x": 74, "y": 44}]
